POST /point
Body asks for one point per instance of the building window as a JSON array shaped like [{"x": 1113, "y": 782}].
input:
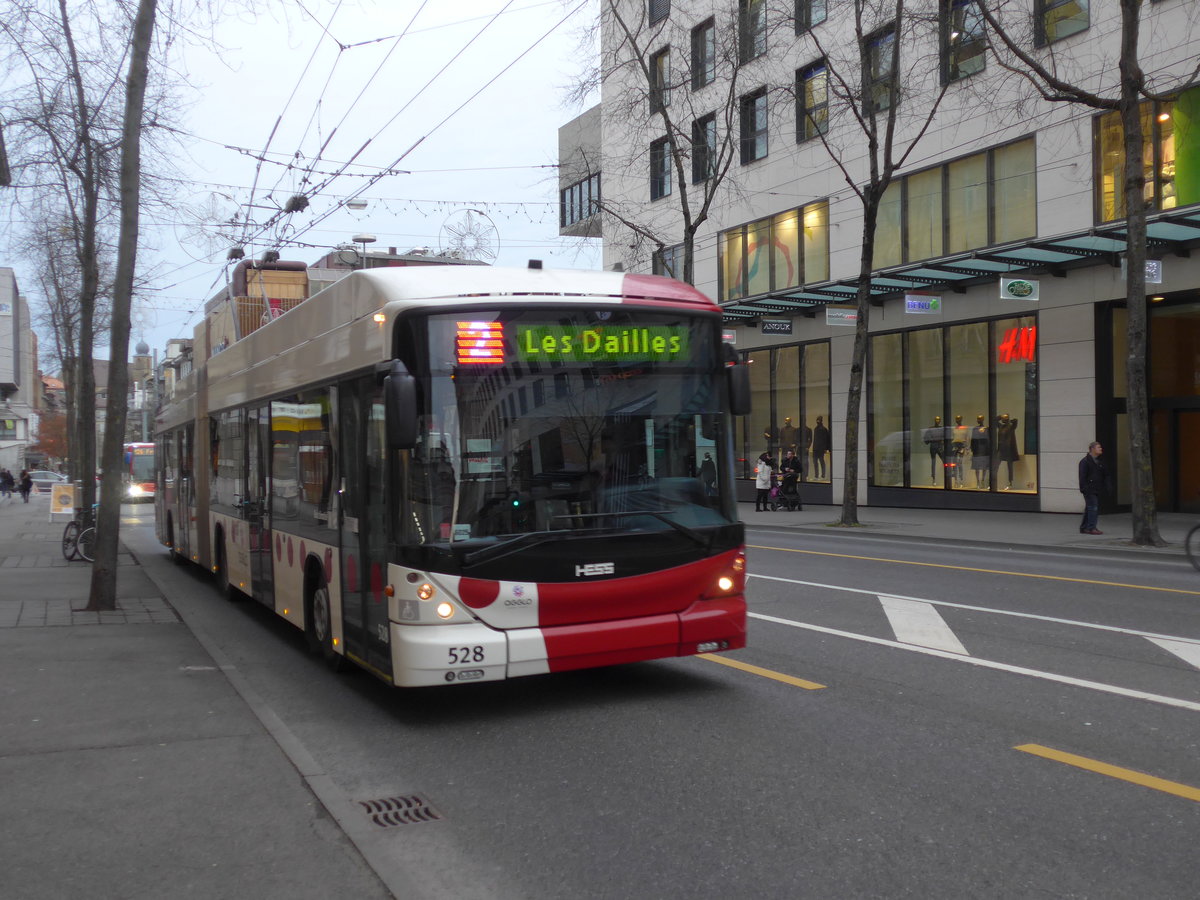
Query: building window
[
  {"x": 659, "y": 10},
  {"x": 704, "y": 54},
  {"x": 979, "y": 200},
  {"x": 704, "y": 148},
  {"x": 660, "y": 78},
  {"x": 1057, "y": 19},
  {"x": 879, "y": 91},
  {"x": 580, "y": 200},
  {"x": 963, "y": 39},
  {"x": 810, "y": 13},
  {"x": 754, "y": 126},
  {"x": 669, "y": 261},
  {"x": 779, "y": 253},
  {"x": 752, "y": 15},
  {"x": 955, "y": 407},
  {"x": 812, "y": 101},
  {"x": 660, "y": 169},
  {"x": 1171, "y": 158}
]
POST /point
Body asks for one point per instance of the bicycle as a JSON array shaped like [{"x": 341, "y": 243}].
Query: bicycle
[
  {"x": 79, "y": 538},
  {"x": 1191, "y": 544}
]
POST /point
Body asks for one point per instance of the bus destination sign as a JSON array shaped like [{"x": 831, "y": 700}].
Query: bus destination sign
[{"x": 602, "y": 343}]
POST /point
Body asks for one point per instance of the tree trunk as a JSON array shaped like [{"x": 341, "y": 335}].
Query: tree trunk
[
  {"x": 103, "y": 594},
  {"x": 858, "y": 361},
  {"x": 1145, "y": 516}
]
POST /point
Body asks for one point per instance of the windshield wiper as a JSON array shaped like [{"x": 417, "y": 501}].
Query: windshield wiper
[
  {"x": 660, "y": 514},
  {"x": 511, "y": 545}
]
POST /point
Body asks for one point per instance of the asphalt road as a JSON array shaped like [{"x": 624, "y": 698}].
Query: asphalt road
[{"x": 950, "y": 720}]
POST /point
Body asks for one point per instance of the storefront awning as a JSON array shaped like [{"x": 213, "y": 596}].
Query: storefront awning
[{"x": 1175, "y": 232}]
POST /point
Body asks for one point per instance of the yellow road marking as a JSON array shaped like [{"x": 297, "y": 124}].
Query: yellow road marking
[
  {"x": 765, "y": 673},
  {"x": 1092, "y": 765},
  {"x": 908, "y": 562}
]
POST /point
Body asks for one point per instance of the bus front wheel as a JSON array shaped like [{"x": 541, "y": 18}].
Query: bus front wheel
[{"x": 319, "y": 623}]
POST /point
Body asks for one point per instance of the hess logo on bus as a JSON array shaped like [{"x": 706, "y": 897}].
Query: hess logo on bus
[{"x": 589, "y": 570}]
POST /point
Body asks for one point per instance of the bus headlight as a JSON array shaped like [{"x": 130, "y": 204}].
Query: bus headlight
[
  {"x": 425, "y": 591},
  {"x": 445, "y": 610},
  {"x": 725, "y": 583}
]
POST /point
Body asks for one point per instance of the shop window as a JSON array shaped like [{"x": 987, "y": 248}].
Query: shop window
[
  {"x": 704, "y": 54},
  {"x": 791, "y": 403},
  {"x": 963, "y": 39},
  {"x": 890, "y": 440},
  {"x": 932, "y": 422},
  {"x": 777, "y": 253},
  {"x": 1170, "y": 156},
  {"x": 966, "y": 204}
]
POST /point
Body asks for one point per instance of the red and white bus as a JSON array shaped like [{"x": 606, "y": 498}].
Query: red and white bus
[
  {"x": 457, "y": 474},
  {"x": 138, "y": 474}
]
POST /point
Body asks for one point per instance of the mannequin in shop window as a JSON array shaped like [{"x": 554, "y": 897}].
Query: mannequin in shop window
[
  {"x": 787, "y": 435},
  {"x": 820, "y": 446},
  {"x": 960, "y": 439},
  {"x": 1006, "y": 447},
  {"x": 980, "y": 453},
  {"x": 935, "y": 439}
]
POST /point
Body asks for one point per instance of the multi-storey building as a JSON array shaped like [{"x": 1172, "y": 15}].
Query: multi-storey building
[
  {"x": 998, "y": 314},
  {"x": 20, "y": 380}
]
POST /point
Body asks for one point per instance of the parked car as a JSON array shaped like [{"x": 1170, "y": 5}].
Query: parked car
[{"x": 43, "y": 480}]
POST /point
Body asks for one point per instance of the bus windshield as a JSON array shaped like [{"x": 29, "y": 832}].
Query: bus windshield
[{"x": 575, "y": 421}]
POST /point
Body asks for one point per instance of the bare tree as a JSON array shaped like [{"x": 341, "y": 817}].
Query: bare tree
[
  {"x": 690, "y": 78},
  {"x": 1057, "y": 77},
  {"x": 883, "y": 97}
]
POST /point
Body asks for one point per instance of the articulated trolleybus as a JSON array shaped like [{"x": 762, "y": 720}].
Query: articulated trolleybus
[{"x": 450, "y": 474}]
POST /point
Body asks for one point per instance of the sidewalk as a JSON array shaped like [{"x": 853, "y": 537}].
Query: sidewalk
[
  {"x": 1011, "y": 529},
  {"x": 130, "y": 766}
]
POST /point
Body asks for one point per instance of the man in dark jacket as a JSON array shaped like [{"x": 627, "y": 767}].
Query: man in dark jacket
[{"x": 1094, "y": 479}]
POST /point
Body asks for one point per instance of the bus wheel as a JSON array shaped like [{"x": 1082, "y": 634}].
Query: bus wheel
[
  {"x": 319, "y": 623},
  {"x": 172, "y": 552},
  {"x": 221, "y": 570}
]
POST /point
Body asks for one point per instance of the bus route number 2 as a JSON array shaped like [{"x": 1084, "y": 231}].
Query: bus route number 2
[{"x": 463, "y": 655}]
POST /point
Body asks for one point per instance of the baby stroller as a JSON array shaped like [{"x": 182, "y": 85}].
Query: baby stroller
[{"x": 786, "y": 494}]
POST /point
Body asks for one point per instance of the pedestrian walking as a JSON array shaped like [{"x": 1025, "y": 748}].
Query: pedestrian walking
[
  {"x": 7, "y": 483},
  {"x": 1094, "y": 479},
  {"x": 25, "y": 484},
  {"x": 762, "y": 481}
]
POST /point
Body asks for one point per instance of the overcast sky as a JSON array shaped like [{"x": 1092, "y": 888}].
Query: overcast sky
[{"x": 326, "y": 80}]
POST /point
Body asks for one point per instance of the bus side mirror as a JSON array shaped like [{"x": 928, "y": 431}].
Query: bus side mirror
[
  {"x": 400, "y": 407},
  {"x": 738, "y": 374}
]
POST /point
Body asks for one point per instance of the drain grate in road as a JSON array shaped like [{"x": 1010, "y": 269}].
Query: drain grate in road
[{"x": 411, "y": 809}]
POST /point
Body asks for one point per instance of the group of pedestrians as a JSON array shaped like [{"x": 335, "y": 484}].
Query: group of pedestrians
[{"x": 22, "y": 484}]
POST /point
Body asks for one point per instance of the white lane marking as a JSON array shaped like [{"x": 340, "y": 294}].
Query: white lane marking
[
  {"x": 985, "y": 609},
  {"x": 989, "y": 664},
  {"x": 918, "y": 622},
  {"x": 1188, "y": 651}
]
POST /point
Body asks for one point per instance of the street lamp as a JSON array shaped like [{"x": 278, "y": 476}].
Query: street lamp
[{"x": 362, "y": 240}]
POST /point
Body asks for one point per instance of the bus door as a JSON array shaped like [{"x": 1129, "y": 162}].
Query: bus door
[
  {"x": 258, "y": 503},
  {"x": 180, "y": 496},
  {"x": 364, "y": 537}
]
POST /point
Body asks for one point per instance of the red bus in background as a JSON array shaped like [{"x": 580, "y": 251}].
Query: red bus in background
[{"x": 137, "y": 473}]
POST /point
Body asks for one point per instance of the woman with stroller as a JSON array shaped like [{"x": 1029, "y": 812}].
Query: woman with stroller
[{"x": 763, "y": 471}]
